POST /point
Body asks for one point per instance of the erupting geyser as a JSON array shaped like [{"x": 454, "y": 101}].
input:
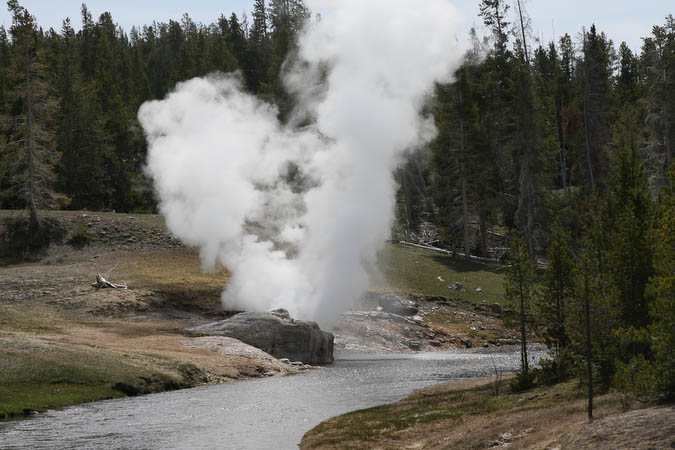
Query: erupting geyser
[{"x": 298, "y": 214}]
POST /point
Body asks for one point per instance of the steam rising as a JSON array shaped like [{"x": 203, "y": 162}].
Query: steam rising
[{"x": 298, "y": 214}]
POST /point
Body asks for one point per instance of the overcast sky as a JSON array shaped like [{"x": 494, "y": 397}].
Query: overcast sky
[{"x": 621, "y": 20}]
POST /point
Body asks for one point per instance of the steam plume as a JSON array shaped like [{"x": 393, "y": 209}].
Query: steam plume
[{"x": 298, "y": 214}]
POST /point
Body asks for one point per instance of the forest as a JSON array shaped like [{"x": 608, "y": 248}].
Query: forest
[{"x": 563, "y": 150}]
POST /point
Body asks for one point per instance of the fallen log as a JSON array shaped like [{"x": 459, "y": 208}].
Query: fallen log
[
  {"x": 447, "y": 252},
  {"x": 102, "y": 283}
]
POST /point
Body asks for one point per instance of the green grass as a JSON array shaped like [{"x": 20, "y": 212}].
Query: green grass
[
  {"x": 421, "y": 407},
  {"x": 417, "y": 271},
  {"x": 39, "y": 378}
]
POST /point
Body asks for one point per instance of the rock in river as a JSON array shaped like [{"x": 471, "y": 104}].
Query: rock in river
[{"x": 277, "y": 334}]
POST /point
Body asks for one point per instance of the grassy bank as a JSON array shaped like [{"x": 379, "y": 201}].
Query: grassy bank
[
  {"x": 431, "y": 273},
  {"x": 40, "y": 377},
  {"x": 465, "y": 415},
  {"x": 63, "y": 342}
]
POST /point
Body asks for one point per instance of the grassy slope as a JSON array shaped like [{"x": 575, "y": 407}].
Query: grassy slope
[
  {"x": 41, "y": 378},
  {"x": 462, "y": 416},
  {"x": 417, "y": 271},
  {"x": 47, "y": 373}
]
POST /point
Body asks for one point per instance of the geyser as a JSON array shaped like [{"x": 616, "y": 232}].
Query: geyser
[{"x": 297, "y": 215}]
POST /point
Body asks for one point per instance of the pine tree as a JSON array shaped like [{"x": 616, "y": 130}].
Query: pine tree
[
  {"x": 628, "y": 217},
  {"x": 80, "y": 135},
  {"x": 596, "y": 69},
  {"x": 519, "y": 290},
  {"x": 30, "y": 152},
  {"x": 494, "y": 14},
  {"x": 661, "y": 289},
  {"x": 658, "y": 63},
  {"x": 557, "y": 291},
  {"x": 288, "y": 15},
  {"x": 256, "y": 59}
]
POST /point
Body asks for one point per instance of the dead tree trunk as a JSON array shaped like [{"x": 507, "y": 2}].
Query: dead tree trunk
[{"x": 102, "y": 283}]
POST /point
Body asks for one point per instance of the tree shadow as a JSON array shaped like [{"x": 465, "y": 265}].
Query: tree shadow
[{"x": 459, "y": 264}]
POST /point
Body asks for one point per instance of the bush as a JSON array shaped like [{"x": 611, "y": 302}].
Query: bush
[
  {"x": 22, "y": 240},
  {"x": 524, "y": 381},
  {"x": 637, "y": 380},
  {"x": 80, "y": 235},
  {"x": 560, "y": 368}
]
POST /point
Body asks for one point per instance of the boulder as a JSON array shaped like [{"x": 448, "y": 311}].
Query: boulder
[
  {"x": 277, "y": 334},
  {"x": 394, "y": 304},
  {"x": 457, "y": 286}
]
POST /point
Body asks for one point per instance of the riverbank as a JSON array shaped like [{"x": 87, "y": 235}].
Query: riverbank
[
  {"x": 64, "y": 342},
  {"x": 479, "y": 414},
  {"x": 254, "y": 414}
]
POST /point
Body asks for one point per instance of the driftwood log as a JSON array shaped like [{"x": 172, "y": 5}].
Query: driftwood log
[{"x": 102, "y": 283}]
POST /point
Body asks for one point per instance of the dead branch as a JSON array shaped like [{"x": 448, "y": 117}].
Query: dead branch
[{"x": 102, "y": 283}]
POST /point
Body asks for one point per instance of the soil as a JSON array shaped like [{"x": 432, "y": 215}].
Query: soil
[
  {"x": 440, "y": 324},
  {"x": 469, "y": 415},
  {"x": 49, "y": 307}
]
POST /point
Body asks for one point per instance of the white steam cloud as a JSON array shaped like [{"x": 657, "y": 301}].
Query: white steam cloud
[{"x": 298, "y": 215}]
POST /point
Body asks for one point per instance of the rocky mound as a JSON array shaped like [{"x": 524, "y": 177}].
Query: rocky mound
[
  {"x": 395, "y": 304},
  {"x": 277, "y": 334}
]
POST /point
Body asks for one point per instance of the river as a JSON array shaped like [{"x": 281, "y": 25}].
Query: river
[{"x": 269, "y": 413}]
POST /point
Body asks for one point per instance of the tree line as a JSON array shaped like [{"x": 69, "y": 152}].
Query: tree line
[
  {"x": 68, "y": 100},
  {"x": 567, "y": 148}
]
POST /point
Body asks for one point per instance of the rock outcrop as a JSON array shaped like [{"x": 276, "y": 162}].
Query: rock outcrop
[
  {"x": 276, "y": 333},
  {"x": 394, "y": 304}
]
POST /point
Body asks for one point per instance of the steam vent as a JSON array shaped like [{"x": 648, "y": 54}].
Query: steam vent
[{"x": 276, "y": 333}]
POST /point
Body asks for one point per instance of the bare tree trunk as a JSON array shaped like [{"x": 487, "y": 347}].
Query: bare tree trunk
[
  {"x": 406, "y": 195},
  {"x": 465, "y": 202},
  {"x": 561, "y": 142},
  {"x": 482, "y": 220},
  {"x": 589, "y": 355},
  {"x": 69, "y": 136},
  {"x": 465, "y": 220},
  {"x": 522, "y": 30},
  {"x": 30, "y": 187},
  {"x": 523, "y": 331},
  {"x": 586, "y": 130}
]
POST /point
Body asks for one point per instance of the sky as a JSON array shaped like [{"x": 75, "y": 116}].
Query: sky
[{"x": 621, "y": 20}]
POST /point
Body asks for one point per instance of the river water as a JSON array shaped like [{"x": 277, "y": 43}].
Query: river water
[{"x": 270, "y": 413}]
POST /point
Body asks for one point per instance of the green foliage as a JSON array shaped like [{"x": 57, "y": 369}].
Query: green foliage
[
  {"x": 636, "y": 379},
  {"x": 627, "y": 217},
  {"x": 519, "y": 290},
  {"x": 523, "y": 381},
  {"x": 23, "y": 240},
  {"x": 661, "y": 290},
  {"x": 79, "y": 236},
  {"x": 86, "y": 88},
  {"x": 557, "y": 292}
]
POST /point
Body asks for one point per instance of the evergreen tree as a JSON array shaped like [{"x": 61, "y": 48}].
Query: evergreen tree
[
  {"x": 596, "y": 69},
  {"x": 288, "y": 16},
  {"x": 29, "y": 153},
  {"x": 628, "y": 216},
  {"x": 557, "y": 291},
  {"x": 519, "y": 290},
  {"x": 658, "y": 70},
  {"x": 80, "y": 135},
  {"x": 661, "y": 289}
]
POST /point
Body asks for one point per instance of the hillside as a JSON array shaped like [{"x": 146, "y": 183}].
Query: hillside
[{"x": 66, "y": 342}]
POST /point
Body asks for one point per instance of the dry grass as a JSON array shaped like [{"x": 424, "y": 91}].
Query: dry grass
[{"x": 462, "y": 416}]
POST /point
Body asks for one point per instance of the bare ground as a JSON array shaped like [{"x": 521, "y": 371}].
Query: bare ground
[
  {"x": 49, "y": 307},
  {"x": 467, "y": 415}
]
